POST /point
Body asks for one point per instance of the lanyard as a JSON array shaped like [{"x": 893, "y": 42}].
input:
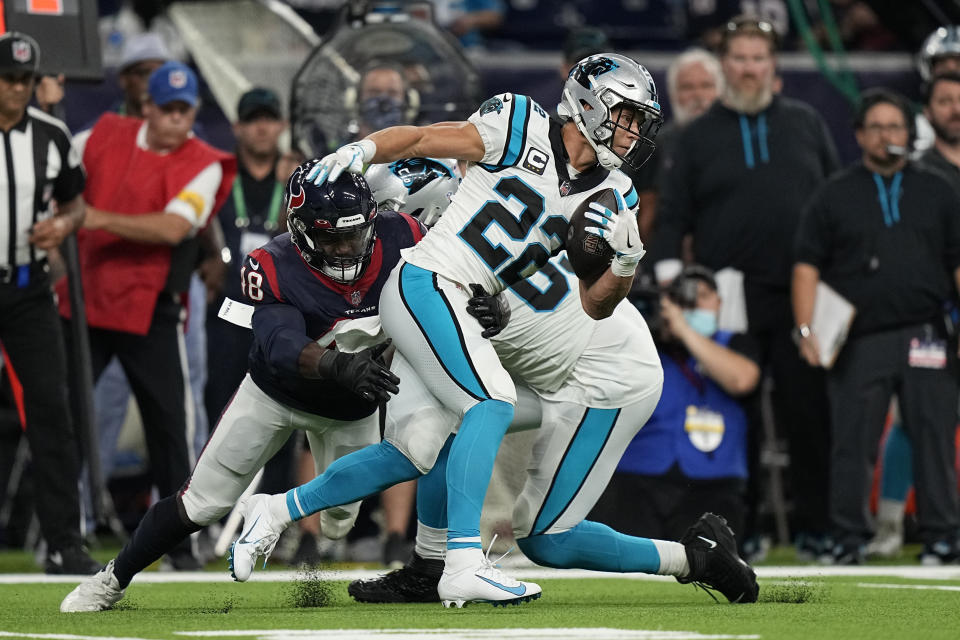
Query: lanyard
[
  {"x": 889, "y": 200},
  {"x": 240, "y": 204}
]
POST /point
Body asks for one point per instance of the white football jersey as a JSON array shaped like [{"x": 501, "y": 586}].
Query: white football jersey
[
  {"x": 618, "y": 367},
  {"x": 548, "y": 328},
  {"x": 511, "y": 211}
]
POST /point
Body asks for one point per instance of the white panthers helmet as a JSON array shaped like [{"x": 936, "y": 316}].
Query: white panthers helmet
[
  {"x": 421, "y": 187},
  {"x": 595, "y": 87},
  {"x": 945, "y": 41}
]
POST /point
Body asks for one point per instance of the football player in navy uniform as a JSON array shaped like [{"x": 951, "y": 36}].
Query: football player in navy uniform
[
  {"x": 316, "y": 364},
  {"x": 527, "y": 176}
]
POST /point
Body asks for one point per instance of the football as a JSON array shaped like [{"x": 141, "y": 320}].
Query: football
[{"x": 589, "y": 254}]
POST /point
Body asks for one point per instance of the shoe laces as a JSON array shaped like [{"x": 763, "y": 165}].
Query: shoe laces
[{"x": 490, "y": 569}]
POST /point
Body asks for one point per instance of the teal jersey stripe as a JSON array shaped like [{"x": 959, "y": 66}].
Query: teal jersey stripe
[{"x": 581, "y": 454}]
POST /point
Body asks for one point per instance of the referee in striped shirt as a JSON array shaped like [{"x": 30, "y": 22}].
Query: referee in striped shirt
[{"x": 41, "y": 182}]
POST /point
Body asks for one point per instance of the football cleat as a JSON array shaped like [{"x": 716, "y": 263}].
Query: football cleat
[
  {"x": 99, "y": 592},
  {"x": 484, "y": 583},
  {"x": 714, "y": 563},
  {"x": 71, "y": 560},
  {"x": 259, "y": 537},
  {"x": 415, "y": 582}
]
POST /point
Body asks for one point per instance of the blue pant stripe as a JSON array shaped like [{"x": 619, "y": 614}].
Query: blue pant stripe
[
  {"x": 577, "y": 462},
  {"x": 432, "y": 313}
]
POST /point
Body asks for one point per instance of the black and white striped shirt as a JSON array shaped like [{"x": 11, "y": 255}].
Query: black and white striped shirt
[{"x": 38, "y": 164}]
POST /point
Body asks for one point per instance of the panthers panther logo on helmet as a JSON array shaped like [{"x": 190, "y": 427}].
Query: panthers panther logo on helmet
[
  {"x": 593, "y": 68},
  {"x": 609, "y": 93}
]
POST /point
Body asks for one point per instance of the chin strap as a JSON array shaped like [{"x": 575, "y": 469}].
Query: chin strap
[{"x": 605, "y": 156}]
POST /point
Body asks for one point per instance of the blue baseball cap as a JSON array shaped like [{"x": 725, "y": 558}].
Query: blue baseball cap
[{"x": 172, "y": 82}]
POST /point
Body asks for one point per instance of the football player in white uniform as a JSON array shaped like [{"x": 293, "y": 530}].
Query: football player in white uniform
[
  {"x": 597, "y": 383},
  {"x": 527, "y": 177}
]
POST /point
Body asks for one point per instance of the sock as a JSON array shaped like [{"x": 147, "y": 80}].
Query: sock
[
  {"x": 164, "y": 526},
  {"x": 277, "y": 505},
  {"x": 673, "y": 559},
  {"x": 595, "y": 546},
  {"x": 470, "y": 466},
  {"x": 432, "y": 493},
  {"x": 350, "y": 478},
  {"x": 431, "y": 543},
  {"x": 897, "y": 473}
]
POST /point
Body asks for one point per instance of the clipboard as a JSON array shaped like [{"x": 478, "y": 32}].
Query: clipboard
[{"x": 832, "y": 317}]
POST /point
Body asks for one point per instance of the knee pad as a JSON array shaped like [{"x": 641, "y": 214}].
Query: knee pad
[
  {"x": 336, "y": 522},
  {"x": 541, "y": 549},
  {"x": 203, "y": 510}
]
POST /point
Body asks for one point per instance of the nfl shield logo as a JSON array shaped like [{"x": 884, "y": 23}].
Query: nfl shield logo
[
  {"x": 21, "y": 51},
  {"x": 565, "y": 188},
  {"x": 178, "y": 79},
  {"x": 355, "y": 298}
]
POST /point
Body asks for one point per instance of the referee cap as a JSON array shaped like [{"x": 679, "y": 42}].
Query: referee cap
[
  {"x": 172, "y": 82},
  {"x": 19, "y": 53}
]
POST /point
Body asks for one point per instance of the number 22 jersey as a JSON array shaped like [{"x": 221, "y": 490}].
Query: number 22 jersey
[{"x": 511, "y": 211}]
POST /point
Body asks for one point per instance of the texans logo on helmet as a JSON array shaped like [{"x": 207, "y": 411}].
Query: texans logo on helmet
[
  {"x": 297, "y": 199},
  {"x": 416, "y": 173},
  {"x": 595, "y": 67}
]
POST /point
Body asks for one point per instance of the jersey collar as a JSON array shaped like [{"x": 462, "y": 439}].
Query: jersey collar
[{"x": 586, "y": 181}]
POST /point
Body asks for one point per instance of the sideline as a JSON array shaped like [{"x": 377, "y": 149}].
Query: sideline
[{"x": 915, "y": 572}]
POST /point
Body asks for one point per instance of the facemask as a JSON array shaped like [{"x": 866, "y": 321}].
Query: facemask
[
  {"x": 380, "y": 112},
  {"x": 702, "y": 321}
]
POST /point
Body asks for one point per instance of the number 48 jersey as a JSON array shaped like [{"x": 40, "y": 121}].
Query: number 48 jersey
[{"x": 511, "y": 211}]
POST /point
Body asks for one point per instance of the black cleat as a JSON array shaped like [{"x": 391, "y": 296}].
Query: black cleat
[
  {"x": 415, "y": 582},
  {"x": 714, "y": 563},
  {"x": 71, "y": 561}
]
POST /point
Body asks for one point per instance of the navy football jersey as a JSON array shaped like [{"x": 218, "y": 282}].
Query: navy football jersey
[{"x": 275, "y": 274}]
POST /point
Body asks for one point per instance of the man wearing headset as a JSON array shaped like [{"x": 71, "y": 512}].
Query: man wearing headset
[{"x": 884, "y": 233}]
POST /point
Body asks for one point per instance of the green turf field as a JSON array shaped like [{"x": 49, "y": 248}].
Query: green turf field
[{"x": 597, "y": 608}]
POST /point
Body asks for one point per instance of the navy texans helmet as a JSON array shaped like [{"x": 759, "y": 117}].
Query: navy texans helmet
[
  {"x": 331, "y": 225},
  {"x": 606, "y": 92},
  {"x": 421, "y": 187}
]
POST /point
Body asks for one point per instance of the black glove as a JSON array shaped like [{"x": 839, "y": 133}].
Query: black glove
[
  {"x": 492, "y": 312},
  {"x": 364, "y": 372}
]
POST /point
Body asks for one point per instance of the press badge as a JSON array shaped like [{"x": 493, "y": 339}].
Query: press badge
[
  {"x": 705, "y": 428},
  {"x": 927, "y": 354},
  {"x": 250, "y": 241}
]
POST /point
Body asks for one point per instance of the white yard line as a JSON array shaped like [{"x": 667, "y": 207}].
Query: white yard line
[
  {"x": 935, "y": 587},
  {"x": 535, "y": 573},
  {"x": 419, "y": 634}
]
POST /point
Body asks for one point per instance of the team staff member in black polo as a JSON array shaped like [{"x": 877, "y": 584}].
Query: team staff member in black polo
[
  {"x": 40, "y": 168},
  {"x": 741, "y": 174},
  {"x": 250, "y": 217},
  {"x": 885, "y": 233}
]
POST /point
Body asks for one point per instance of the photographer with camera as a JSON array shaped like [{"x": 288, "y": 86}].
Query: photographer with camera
[{"x": 691, "y": 456}]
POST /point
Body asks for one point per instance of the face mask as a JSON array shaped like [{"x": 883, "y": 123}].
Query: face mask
[
  {"x": 702, "y": 321},
  {"x": 380, "y": 112}
]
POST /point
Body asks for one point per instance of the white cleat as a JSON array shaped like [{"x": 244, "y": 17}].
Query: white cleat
[
  {"x": 484, "y": 583},
  {"x": 259, "y": 537},
  {"x": 99, "y": 592}
]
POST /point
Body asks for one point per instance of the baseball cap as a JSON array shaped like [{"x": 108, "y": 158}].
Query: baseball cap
[
  {"x": 258, "y": 100},
  {"x": 171, "y": 82},
  {"x": 19, "y": 53},
  {"x": 141, "y": 47}
]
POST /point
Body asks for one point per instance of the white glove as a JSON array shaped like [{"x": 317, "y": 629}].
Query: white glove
[
  {"x": 350, "y": 157},
  {"x": 621, "y": 232}
]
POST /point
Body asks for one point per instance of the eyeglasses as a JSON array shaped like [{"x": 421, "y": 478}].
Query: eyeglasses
[
  {"x": 750, "y": 24},
  {"x": 875, "y": 127}
]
